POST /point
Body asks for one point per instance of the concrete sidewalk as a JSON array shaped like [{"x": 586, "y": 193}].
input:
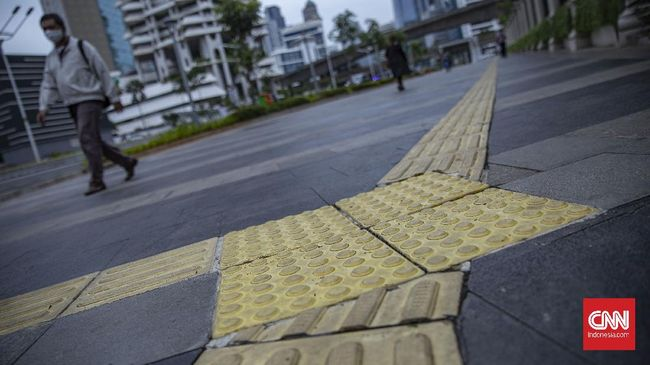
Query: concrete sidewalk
[{"x": 584, "y": 142}]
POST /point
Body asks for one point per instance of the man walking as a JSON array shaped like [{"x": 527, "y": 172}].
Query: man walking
[
  {"x": 75, "y": 72},
  {"x": 397, "y": 61}
]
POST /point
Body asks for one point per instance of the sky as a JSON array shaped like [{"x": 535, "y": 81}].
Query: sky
[{"x": 30, "y": 38}]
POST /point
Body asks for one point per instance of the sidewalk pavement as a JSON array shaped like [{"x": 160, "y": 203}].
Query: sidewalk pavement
[{"x": 346, "y": 283}]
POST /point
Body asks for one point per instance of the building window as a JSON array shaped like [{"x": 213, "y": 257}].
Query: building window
[{"x": 291, "y": 57}]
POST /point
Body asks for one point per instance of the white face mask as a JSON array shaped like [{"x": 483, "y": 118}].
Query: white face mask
[{"x": 54, "y": 35}]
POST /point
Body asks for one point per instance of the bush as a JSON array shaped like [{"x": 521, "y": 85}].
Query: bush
[
  {"x": 561, "y": 23},
  {"x": 588, "y": 16},
  {"x": 241, "y": 114}
]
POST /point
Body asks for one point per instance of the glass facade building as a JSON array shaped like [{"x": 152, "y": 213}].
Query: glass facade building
[{"x": 115, "y": 30}]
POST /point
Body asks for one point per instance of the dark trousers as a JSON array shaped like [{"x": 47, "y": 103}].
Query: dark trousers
[{"x": 87, "y": 116}]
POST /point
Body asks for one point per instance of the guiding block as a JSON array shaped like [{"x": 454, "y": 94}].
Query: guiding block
[
  {"x": 40, "y": 305},
  {"x": 433, "y": 296},
  {"x": 461, "y": 230},
  {"x": 425, "y": 344},
  {"x": 389, "y": 202},
  {"x": 147, "y": 274},
  {"x": 311, "y": 276},
  {"x": 284, "y": 234}
]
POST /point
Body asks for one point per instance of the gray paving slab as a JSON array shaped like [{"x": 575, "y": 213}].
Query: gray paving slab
[
  {"x": 489, "y": 336},
  {"x": 628, "y": 134},
  {"x": 187, "y": 358},
  {"x": 14, "y": 344},
  {"x": 543, "y": 281},
  {"x": 495, "y": 174},
  {"x": 136, "y": 330},
  {"x": 560, "y": 114},
  {"x": 562, "y": 76},
  {"x": 604, "y": 181}
]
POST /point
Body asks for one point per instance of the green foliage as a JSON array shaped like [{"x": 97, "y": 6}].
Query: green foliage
[
  {"x": 610, "y": 10},
  {"x": 561, "y": 23},
  {"x": 239, "y": 18},
  {"x": 373, "y": 37},
  {"x": 136, "y": 89},
  {"x": 346, "y": 29},
  {"x": 588, "y": 16},
  {"x": 505, "y": 11},
  {"x": 418, "y": 50}
]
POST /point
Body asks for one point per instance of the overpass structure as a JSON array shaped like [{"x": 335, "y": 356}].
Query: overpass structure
[{"x": 482, "y": 11}]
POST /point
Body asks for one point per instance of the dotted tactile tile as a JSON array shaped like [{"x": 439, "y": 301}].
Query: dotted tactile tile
[
  {"x": 424, "y": 344},
  {"x": 389, "y": 202},
  {"x": 315, "y": 275},
  {"x": 434, "y": 296},
  {"x": 144, "y": 275},
  {"x": 461, "y": 230},
  {"x": 458, "y": 143},
  {"x": 40, "y": 305},
  {"x": 288, "y": 233}
]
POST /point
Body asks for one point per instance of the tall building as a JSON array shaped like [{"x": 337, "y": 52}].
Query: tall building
[
  {"x": 83, "y": 20},
  {"x": 114, "y": 25},
  {"x": 58, "y": 135},
  {"x": 407, "y": 12},
  {"x": 198, "y": 35},
  {"x": 275, "y": 23},
  {"x": 310, "y": 12}
]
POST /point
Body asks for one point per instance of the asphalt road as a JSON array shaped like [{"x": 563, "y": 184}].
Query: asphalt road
[{"x": 572, "y": 127}]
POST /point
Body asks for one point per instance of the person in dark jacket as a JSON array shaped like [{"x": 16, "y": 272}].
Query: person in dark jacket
[{"x": 397, "y": 61}]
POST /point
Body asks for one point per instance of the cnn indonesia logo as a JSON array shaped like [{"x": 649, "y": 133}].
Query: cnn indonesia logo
[{"x": 608, "y": 324}]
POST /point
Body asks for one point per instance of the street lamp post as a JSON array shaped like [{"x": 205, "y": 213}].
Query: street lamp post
[
  {"x": 330, "y": 68},
  {"x": 181, "y": 70},
  {"x": 5, "y": 36}
]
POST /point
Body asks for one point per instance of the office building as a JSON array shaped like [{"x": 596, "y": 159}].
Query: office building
[
  {"x": 199, "y": 38},
  {"x": 83, "y": 19},
  {"x": 310, "y": 12},
  {"x": 275, "y": 24}
]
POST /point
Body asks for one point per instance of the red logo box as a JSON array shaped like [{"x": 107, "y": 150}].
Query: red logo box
[{"x": 608, "y": 324}]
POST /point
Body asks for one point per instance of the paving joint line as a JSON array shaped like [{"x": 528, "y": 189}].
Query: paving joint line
[{"x": 530, "y": 327}]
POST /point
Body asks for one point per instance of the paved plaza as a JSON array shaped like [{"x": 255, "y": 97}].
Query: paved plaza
[{"x": 461, "y": 221}]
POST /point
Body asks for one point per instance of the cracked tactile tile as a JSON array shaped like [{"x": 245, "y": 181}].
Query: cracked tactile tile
[
  {"x": 458, "y": 231},
  {"x": 431, "y": 343},
  {"x": 315, "y": 275},
  {"x": 277, "y": 236},
  {"x": 41, "y": 305},
  {"x": 434, "y": 296},
  {"x": 389, "y": 202}
]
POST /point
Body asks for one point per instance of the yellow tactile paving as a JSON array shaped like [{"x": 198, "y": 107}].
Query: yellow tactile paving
[
  {"x": 461, "y": 230},
  {"x": 434, "y": 296},
  {"x": 389, "y": 202},
  {"x": 284, "y": 234},
  {"x": 424, "y": 344},
  {"x": 311, "y": 276},
  {"x": 147, "y": 274},
  {"x": 458, "y": 143},
  {"x": 39, "y": 306}
]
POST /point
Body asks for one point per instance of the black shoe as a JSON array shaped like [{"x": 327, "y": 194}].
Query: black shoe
[
  {"x": 400, "y": 88},
  {"x": 95, "y": 187},
  {"x": 130, "y": 169}
]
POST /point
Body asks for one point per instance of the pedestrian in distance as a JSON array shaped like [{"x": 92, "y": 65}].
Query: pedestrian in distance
[
  {"x": 446, "y": 61},
  {"x": 397, "y": 61},
  {"x": 75, "y": 72},
  {"x": 501, "y": 40}
]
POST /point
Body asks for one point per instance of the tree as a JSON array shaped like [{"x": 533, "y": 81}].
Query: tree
[
  {"x": 373, "y": 37},
  {"x": 136, "y": 89},
  {"x": 239, "y": 18},
  {"x": 346, "y": 29},
  {"x": 195, "y": 77},
  {"x": 418, "y": 51}
]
